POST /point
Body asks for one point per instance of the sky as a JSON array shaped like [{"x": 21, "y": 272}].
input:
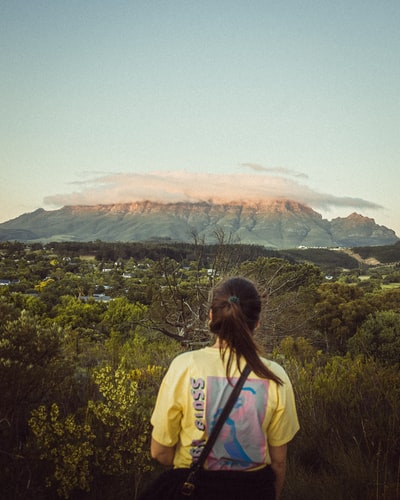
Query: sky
[{"x": 107, "y": 101}]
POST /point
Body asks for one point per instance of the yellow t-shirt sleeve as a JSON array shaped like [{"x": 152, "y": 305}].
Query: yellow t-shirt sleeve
[
  {"x": 167, "y": 414},
  {"x": 284, "y": 423}
]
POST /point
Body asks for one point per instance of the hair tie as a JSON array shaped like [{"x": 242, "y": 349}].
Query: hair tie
[{"x": 234, "y": 298}]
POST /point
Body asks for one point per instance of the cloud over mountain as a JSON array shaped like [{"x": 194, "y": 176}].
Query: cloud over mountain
[{"x": 262, "y": 183}]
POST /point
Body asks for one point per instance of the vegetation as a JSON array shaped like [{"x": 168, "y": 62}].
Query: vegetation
[
  {"x": 88, "y": 329},
  {"x": 385, "y": 254}
]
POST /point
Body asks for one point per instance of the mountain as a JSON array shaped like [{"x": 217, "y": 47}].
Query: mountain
[{"x": 279, "y": 224}]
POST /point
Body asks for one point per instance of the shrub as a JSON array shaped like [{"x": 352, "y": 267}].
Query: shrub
[{"x": 349, "y": 445}]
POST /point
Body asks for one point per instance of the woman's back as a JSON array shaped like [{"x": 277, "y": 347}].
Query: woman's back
[
  {"x": 193, "y": 395},
  {"x": 248, "y": 459}
]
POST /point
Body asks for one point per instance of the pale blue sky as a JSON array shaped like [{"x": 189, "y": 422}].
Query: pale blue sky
[{"x": 107, "y": 101}]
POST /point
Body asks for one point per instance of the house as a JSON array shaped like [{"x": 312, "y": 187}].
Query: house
[{"x": 97, "y": 297}]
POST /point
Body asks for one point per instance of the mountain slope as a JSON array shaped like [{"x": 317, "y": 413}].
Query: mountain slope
[{"x": 276, "y": 224}]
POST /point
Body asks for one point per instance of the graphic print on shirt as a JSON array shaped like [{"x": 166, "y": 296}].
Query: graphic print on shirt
[
  {"x": 241, "y": 443},
  {"x": 197, "y": 391}
]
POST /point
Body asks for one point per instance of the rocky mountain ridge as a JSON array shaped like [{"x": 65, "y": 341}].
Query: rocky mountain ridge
[{"x": 279, "y": 224}]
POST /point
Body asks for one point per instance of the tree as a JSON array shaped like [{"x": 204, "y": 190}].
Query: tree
[
  {"x": 339, "y": 310},
  {"x": 179, "y": 301},
  {"x": 386, "y": 300},
  {"x": 74, "y": 313},
  {"x": 288, "y": 292},
  {"x": 33, "y": 370},
  {"x": 123, "y": 316},
  {"x": 8, "y": 309},
  {"x": 379, "y": 337},
  {"x": 296, "y": 348}
]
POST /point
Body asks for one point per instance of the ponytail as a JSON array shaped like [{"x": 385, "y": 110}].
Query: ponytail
[{"x": 235, "y": 308}]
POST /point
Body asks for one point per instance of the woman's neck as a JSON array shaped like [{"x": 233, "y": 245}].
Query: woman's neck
[{"x": 219, "y": 344}]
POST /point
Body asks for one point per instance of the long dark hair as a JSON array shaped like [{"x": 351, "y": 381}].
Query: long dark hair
[{"x": 235, "y": 313}]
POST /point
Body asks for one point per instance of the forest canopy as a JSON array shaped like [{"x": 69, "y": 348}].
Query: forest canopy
[{"x": 88, "y": 329}]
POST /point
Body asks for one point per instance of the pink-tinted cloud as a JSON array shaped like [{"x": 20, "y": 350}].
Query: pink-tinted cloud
[
  {"x": 178, "y": 186},
  {"x": 275, "y": 170}
]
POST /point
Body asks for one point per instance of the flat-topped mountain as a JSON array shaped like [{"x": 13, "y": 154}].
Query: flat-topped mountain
[{"x": 276, "y": 224}]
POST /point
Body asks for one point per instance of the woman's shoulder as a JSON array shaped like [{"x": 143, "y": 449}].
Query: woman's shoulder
[
  {"x": 276, "y": 368},
  {"x": 191, "y": 359},
  {"x": 188, "y": 357}
]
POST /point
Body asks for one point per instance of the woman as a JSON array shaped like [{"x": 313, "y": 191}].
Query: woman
[{"x": 249, "y": 457}]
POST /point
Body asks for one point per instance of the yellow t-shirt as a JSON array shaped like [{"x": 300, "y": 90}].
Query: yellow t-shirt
[{"x": 191, "y": 397}]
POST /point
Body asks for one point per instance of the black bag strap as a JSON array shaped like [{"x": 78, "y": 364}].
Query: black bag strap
[{"x": 188, "y": 486}]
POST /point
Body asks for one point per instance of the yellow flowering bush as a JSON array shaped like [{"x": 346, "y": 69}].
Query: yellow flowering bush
[
  {"x": 67, "y": 445},
  {"x": 113, "y": 439},
  {"x": 122, "y": 447}
]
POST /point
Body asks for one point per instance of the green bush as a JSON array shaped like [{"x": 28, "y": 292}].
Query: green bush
[
  {"x": 379, "y": 337},
  {"x": 349, "y": 443}
]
